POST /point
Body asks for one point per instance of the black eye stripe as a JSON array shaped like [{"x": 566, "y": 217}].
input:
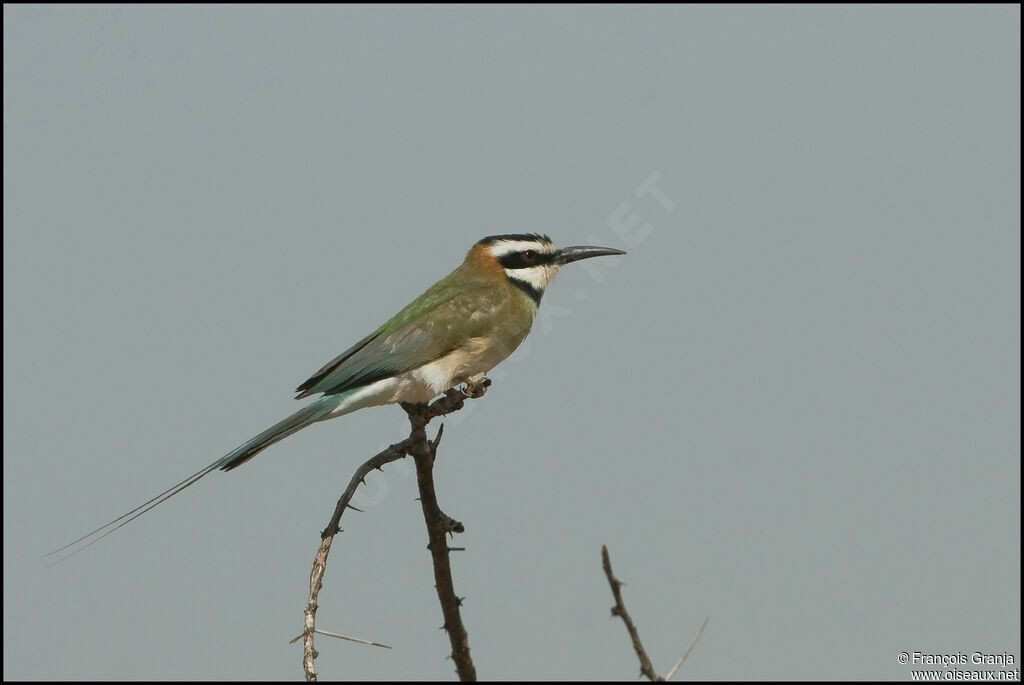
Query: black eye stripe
[{"x": 525, "y": 259}]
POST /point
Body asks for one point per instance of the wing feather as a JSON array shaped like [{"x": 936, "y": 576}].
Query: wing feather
[{"x": 429, "y": 328}]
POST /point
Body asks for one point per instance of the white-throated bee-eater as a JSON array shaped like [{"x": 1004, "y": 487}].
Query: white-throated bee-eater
[{"x": 461, "y": 327}]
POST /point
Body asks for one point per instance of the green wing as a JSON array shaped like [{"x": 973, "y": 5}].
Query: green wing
[{"x": 432, "y": 326}]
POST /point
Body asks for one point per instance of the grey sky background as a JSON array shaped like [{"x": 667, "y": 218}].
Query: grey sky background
[{"x": 794, "y": 407}]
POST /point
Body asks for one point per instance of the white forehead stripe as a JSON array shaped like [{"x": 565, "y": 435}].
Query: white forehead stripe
[{"x": 504, "y": 247}]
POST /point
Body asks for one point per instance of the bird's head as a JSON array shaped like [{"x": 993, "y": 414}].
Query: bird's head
[{"x": 528, "y": 260}]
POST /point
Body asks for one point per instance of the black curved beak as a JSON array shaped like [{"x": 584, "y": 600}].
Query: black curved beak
[{"x": 578, "y": 252}]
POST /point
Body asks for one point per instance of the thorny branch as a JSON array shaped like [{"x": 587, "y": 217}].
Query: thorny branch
[
  {"x": 646, "y": 668},
  {"x": 439, "y": 525}
]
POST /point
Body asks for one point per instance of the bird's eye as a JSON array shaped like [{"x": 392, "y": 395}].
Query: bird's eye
[{"x": 529, "y": 256}]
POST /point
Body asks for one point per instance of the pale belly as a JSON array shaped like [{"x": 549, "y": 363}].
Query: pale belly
[{"x": 426, "y": 382}]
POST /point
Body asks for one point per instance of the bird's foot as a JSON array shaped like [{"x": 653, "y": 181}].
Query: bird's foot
[
  {"x": 451, "y": 525},
  {"x": 476, "y": 386}
]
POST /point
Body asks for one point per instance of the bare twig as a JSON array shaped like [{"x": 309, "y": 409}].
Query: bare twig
[
  {"x": 620, "y": 610},
  {"x": 423, "y": 451},
  {"x": 646, "y": 668},
  {"x": 439, "y": 525},
  {"x": 316, "y": 580},
  {"x": 316, "y": 575},
  {"x": 341, "y": 637},
  {"x": 393, "y": 453},
  {"x": 672, "y": 671}
]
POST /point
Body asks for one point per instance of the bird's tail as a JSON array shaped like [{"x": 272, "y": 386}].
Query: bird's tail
[
  {"x": 279, "y": 431},
  {"x": 309, "y": 414}
]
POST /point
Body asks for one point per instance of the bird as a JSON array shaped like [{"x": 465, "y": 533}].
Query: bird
[{"x": 459, "y": 328}]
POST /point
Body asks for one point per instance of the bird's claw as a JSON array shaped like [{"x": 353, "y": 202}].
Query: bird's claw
[{"x": 476, "y": 387}]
